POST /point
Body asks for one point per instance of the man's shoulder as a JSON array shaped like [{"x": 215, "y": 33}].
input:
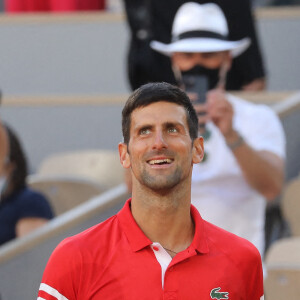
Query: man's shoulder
[
  {"x": 237, "y": 257},
  {"x": 230, "y": 245},
  {"x": 78, "y": 255},
  {"x": 97, "y": 235}
]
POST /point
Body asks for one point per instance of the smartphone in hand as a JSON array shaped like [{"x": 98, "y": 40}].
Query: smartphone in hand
[{"x": 197, "y": 85}]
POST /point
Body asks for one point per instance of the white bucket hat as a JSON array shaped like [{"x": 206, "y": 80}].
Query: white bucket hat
[{"x": 200, "y": 28}]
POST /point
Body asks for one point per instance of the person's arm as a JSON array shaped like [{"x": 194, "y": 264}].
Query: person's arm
[
  {"x": 263, "y": 170},
  {"x": 27, "y": 225}
]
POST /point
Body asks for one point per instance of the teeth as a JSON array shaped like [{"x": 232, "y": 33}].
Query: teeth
[{"x": 160, "y": 161}]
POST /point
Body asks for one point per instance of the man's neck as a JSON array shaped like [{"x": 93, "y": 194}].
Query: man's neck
[{"x": 164, "y": 218}]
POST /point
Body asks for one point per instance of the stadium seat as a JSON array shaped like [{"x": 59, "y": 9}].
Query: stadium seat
[
  {"x": 102, "y": 166},
  {"x": 291, "y": 205},
  {"x": 283, "y": 270},
  {"x": 64, "y": 192}
]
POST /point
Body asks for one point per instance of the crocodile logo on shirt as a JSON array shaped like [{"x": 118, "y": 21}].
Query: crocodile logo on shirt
[{"x": 215, "y": 294}]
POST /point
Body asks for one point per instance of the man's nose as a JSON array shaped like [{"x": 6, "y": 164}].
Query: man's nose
[
  {"x": 198, "y": 60},
  {"x": 159, "y": 140}
]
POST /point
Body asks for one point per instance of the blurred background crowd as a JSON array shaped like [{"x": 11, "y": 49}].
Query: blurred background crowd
[{"x": 66, "y": 69}]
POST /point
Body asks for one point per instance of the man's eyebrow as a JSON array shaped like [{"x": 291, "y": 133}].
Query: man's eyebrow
[
  {"x": 144, "y": 126},
  {"x": 167, "y": 124},
  {"x": 170, "y": 124}
]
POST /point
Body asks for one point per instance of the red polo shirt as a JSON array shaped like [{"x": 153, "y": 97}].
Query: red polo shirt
[{"x": 115, "y": 260}]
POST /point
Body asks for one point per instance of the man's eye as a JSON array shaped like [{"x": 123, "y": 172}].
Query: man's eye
[
  {"x": 144, "y": 131},
  {"x": 172, "y": 130},
  {"x": 188, "y": 55}
]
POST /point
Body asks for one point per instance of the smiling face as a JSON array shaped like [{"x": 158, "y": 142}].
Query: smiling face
[{"x": 160, "y": 151}]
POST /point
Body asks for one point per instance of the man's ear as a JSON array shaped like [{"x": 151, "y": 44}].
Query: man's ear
[
  {"x": 198, "y": 150},
  {"x": 124, "y": 155}
]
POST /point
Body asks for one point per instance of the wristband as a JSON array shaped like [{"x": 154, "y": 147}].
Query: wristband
[{"x": 237, "y": 143}]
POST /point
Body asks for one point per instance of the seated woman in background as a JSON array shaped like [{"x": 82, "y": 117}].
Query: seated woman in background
[{"x": 21, "y": 209}]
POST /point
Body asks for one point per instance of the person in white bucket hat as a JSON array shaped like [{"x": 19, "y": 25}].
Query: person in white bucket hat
[
  {"x": 244, "y": 142},
  {"x": 200, "y": 28},
  {"x": 152, "y": 20},
  {"x": 200, "y": 33}
]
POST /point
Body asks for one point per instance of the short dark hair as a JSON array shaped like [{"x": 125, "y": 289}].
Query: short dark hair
[
  {"x": 17, "y": 157},
  {"x": 155, "y": 92}
]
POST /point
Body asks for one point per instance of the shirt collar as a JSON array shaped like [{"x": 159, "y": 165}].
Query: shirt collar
[
  {"x": 199, "y": 242},
  {"x": 138, "y": 240}
]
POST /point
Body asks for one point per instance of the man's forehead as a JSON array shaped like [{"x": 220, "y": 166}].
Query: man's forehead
[{"x": 161, "y": 109}]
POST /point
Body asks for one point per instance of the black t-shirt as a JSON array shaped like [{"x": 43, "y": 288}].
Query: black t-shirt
[
  {"x": 25, "y": 203},
  {"x": 155, "y": 18}
]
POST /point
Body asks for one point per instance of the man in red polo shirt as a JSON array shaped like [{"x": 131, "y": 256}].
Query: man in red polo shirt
[{"x": 157, "y": 246}]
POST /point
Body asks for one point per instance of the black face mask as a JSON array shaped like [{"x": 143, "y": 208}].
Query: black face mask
[{"x": 212, "y": 75}]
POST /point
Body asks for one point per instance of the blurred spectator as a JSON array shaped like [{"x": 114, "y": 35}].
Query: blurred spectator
[
  {"x": 244, "y": 142},
  {"x": 21, "y": 209},
  {"x": 14, "y": 6},
  {"x": 152, "y": 20},
  {"x": 285, "y": 2}
]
